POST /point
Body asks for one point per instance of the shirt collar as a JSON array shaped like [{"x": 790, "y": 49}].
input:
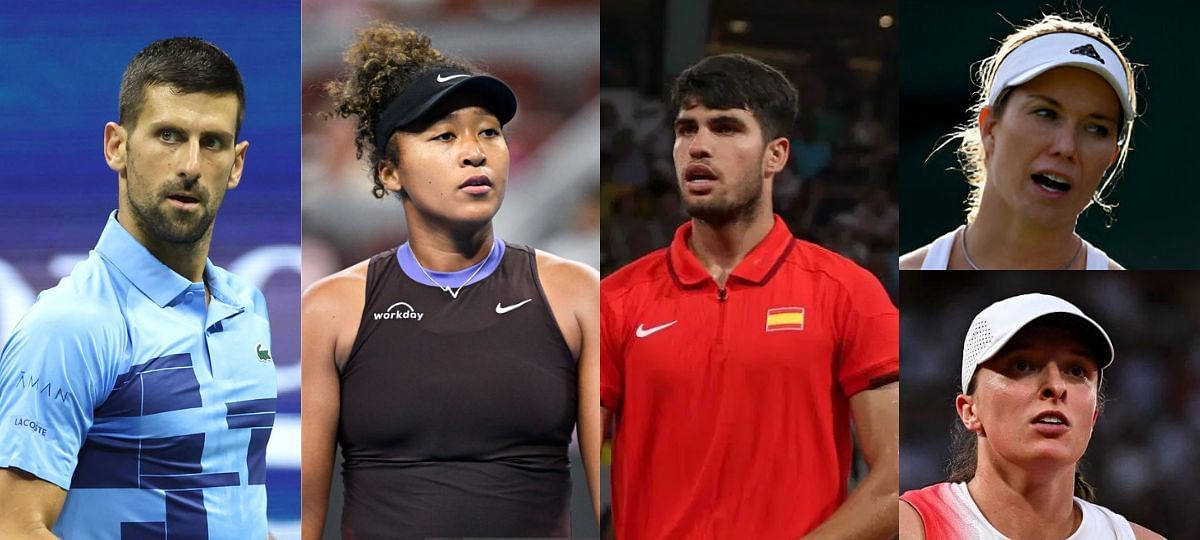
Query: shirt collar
[
  {"x": 757, "y": 267},
  {"x": 148, "y": 274}
]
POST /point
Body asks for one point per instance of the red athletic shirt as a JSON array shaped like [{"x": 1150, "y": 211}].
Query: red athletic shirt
[{"x": 732, "y": 406}]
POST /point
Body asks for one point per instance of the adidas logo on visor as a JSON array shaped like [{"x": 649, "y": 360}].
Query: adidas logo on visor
[{"x": 1089, "y": 51}]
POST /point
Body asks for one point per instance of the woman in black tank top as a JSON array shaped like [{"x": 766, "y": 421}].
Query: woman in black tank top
[{"x": 452, "y": 369}]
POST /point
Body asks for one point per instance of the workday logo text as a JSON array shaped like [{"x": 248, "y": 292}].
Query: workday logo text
[{"x": 399, "y": 310}]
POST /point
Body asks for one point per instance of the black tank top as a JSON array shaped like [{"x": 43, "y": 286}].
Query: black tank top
[{"x": 456, "y": 413}]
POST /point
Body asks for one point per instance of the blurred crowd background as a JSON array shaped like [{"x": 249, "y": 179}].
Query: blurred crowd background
[
  {"x": 548, "y": 51},
  {"x": 1147, "y": 441},
  {"x": 840, "y": 188}
]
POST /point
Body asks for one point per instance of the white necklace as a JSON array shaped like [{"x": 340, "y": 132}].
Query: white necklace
[
  {"x": 453, "y": 292},
  {"x": 967, "y": 254}
]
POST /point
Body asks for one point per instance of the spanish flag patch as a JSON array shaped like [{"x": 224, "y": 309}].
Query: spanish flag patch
[{"x": 785, "y": 318}]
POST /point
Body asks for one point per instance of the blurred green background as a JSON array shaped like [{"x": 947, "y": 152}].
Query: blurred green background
[{"x": 1157, "y": 195}]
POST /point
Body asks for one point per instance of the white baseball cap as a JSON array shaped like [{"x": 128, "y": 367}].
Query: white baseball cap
[
  {"x": 1049, "y": 51},
  {"x": 999, "y": 322}
]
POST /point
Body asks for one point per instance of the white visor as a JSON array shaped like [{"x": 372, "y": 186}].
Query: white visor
[
  {"x": 1043, "y": 53},
  {"x": 999, "y": 322}
]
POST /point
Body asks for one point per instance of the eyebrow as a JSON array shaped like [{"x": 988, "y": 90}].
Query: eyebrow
[
  {"x": 719, "y": 119},
  {"x": 1055, "y": 102}
]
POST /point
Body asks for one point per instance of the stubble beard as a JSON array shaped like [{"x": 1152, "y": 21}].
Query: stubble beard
[
  {"x": 152, "y": 217},
  {"x": 737, "y": 205}
]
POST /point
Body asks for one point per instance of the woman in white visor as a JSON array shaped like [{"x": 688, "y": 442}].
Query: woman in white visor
[
  {"x": 1031, "y": 372},
  {"x": 1047, "y": 138}
]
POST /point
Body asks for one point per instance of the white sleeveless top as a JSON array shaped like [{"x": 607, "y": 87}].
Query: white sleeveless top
[
  {"x": 938, "y": 256},
  {"x": 952, "y": 513}
]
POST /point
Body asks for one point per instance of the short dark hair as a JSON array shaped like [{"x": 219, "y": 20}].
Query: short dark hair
[
  {"x": 736, "y": 81},
  {"x": 186, "y": 64}
]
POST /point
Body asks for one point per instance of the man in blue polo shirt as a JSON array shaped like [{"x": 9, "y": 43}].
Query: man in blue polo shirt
[{"x": 137, "y": 396}]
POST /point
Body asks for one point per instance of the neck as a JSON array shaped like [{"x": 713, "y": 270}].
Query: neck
[
  {"x": 448, "y": 250},
  {"x": 1000, "y": 243},
  {"x": 187, "y": 260},
  {"x": 1026, "y": 504},
  {"x": 720, "y": 247}
]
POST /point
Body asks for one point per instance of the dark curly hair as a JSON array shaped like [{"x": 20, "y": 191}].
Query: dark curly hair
[{"x": 381, "y": 63}]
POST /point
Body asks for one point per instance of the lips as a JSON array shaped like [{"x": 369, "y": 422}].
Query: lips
[
  {"x": 697, "y": 172},
  {"x": 1052, "y": 182},
  {"x": 476, "y": 185},
  {"x": 1053, "y": 418},
  {"x": 476, "y": 181},
  {"x": 184, "y": 200}
]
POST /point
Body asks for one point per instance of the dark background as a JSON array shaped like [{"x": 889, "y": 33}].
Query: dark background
[
  {"x": 840, "y": 187},
  {"x": 1157, "y": 193}
]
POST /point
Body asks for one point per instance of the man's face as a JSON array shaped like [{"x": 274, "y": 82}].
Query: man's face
[
  {"x": 176, "y": 164},
  {"x": 719, "y": 162}
]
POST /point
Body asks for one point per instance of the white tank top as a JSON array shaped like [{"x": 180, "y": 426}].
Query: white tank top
[
  {"x": 948, "y": 511},
  {"x": 938, "y": 256}
]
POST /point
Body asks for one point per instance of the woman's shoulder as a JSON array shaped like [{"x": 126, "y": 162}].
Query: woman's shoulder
[
  {"x": 337, "y": 286},
  {"x": 1142, "y": 533},
  {"x": 567, "y": 272},
  {"x": 911, "y": 526},
  {"x": 915, "y": 258},
  {"x": 1110, "y": 520},
  {"x": 936, "y": 252}
]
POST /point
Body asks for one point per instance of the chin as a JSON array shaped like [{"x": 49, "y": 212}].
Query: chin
[
  {"x": 1054, "y": 453},
  {"x": 476, "y": 217},
  {"x": 1052, "y": 217}
]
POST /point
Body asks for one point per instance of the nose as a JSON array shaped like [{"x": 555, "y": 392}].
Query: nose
[
  {"x": 189, "y": 168},
  {"x": 1054, "y": 387},
  {"x": 473, "y": 154},
  {"x": 701, "y": 144},
  {"x": 1065, "y": 144}
]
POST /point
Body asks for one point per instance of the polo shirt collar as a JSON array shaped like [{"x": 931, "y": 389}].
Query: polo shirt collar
[
  {"x": 757, "y": 267},
  {"x": 148, "y": 274}
]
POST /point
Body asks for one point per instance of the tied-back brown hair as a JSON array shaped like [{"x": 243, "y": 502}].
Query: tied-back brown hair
[
  {"x": 970, "y": 151},
  {"x": 381, "y": 63}
]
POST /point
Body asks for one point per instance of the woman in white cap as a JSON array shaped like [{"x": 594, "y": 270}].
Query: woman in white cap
[
  {"x": 452, "y": 370},
  {"x": 1047, "y": 138},
  {"x": 1031, "y": 372}
]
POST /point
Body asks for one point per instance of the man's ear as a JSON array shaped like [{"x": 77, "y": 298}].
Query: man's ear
[
  {"x": 115, "y": 139},
  {"x": 239, "y": 161},
  {"x": 776, "y": 156}
]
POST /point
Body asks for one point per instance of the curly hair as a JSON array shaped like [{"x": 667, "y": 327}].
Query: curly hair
[
  {"x": 381, "y": 63},
  {"x": 970, "y": 150}
]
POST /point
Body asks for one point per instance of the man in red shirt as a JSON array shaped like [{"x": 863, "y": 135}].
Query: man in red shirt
[{"x": 733, "y": 361}]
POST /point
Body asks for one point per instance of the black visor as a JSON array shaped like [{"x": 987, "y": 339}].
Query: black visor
[{"x": 431, "y": 88}]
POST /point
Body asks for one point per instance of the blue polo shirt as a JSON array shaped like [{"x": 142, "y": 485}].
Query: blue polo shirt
[{"x": 150, "y": 408}]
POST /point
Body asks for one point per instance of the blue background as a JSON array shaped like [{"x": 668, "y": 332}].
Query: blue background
[{"x": 60, "y": 73}]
